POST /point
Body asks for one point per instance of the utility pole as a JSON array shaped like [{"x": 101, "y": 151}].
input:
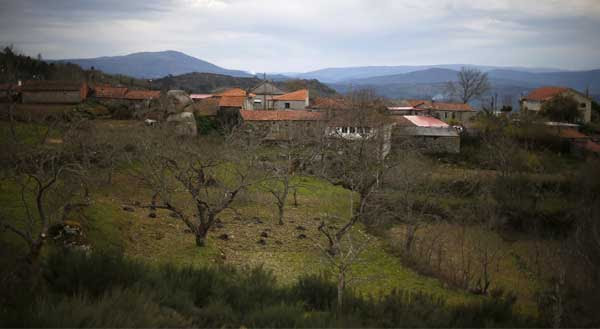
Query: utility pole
[{"x": 265, "y": 91}]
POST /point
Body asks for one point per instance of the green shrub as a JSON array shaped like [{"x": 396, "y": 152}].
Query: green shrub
[
  {"x": 102, "y": 290},
  {"x": 122, "y": 308},
  {"x": 74, "y": 273},
  {"x": 207, "y": 125},
  {"x": 317, "y": 291}
]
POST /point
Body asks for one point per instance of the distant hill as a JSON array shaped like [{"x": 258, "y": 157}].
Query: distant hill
[
  {"x": 151, "y": 65},
  {"x": 344, "y": 74},
  {"x": 507, "y": 84},
  {"x": 208, "y": 83}
]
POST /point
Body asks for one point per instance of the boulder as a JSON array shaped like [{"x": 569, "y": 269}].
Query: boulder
[
  {"x": 178, "y": 101},
  {"x": 185, "y": 123}
]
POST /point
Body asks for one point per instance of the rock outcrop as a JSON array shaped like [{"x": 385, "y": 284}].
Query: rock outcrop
[{"x": 184, "y": 123}]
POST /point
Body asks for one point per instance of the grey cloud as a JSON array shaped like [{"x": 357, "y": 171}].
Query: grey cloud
[{"x": 291, "y": 35}]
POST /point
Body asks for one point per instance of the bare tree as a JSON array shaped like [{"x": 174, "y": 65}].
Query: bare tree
[
  {"x": 471, "y": 84},
  {"x": 184, "y": 171},
  {"x": 295, "y": 153},
  {"x": 353, "y": 156},
  {"x": 49, "y": 181},
  {"x": 342, "y": 263}
]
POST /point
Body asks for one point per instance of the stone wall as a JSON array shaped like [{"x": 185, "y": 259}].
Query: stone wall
[{"x": 51, "y": 97}]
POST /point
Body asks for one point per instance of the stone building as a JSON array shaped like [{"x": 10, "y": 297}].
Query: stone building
[
  {"x": 234, "y": 98},
  {"x": 53, "y": 92},
  {"x": 282, "y": 125},
  {"x": 263, "y": 95},
  {"x": 444, "y": 111},
  {"x": 429, "y": 134},
  {"x": 297, "y": 100},
  {"x": 536, "y": 98}
]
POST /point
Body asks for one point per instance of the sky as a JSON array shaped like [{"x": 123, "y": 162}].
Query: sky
[{"x": 299, "y": 36}]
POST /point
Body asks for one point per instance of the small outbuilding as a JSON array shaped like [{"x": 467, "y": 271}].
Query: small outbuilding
[
  {"x": 429, "y": 134},
  {"x": 54, "y": 92}
]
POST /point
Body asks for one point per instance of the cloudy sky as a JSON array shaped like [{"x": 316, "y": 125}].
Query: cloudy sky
[{"x": 290, "y": 35}]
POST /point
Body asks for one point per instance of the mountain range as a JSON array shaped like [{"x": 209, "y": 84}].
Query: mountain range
[
  {"x": 151, "y": 65},
  {"x": 404, "y": 81}
]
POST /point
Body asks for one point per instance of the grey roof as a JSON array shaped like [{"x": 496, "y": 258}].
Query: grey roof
[
  {"x": 268, "y": 89},
  {"x": 428, "y": 131}
]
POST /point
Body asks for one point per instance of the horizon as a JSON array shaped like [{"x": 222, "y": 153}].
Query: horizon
[
  {"x": 307, "y": 36},
  {"x": 426, "y": 66}
]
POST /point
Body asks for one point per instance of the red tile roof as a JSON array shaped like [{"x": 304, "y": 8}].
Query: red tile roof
[
  {"x": 142, "y": 94},
  {"x": 110, "y": 92},
  {"x": 298, "y": 95},
  {"x": 51, "y": 85},
  {"x": 292, "y": 115},
  {"x": 424, "y": 121},
  {"x": 232, "y": 101},
  {"x": 232, "y": 92},
  {"x": 545, "y": 93}
]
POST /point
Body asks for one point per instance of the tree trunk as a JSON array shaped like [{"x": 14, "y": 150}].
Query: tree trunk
[
  {"x": 201, "y": 232},
  {"x": 340, "y": 292},
  {"x": 280, "y": 207},
  {"x": 296, "y": 198}
]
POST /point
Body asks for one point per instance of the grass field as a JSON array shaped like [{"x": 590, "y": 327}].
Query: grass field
[{"x": 164, "y": 239}]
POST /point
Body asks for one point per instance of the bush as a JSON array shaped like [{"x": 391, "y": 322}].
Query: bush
[
  {"x": 103, "y": 290},
  {"x": 317, "y": 291},
  {"x": 207, "y": 125},
  {"x": 123, "y": 308},
  {"x": 74, "y": 273}
]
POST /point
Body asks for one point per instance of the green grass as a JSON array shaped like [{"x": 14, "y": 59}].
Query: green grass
[{"x": 28, "y": 133}]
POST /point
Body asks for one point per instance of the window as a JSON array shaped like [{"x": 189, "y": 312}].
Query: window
[
  {"x": 582, "y": 105},
  {"x": 344, "y": 130},
  {"x": 445, "y": 115},
  {"x": 352, "y": 130},
  {"x": 453, "y": 116},
  {"x": 287, "y": 105},
  {"x": 367, "y": 130}
]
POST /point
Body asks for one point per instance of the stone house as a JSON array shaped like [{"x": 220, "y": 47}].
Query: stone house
[
  {"x": 429, "y": 134},
  {"x": 297, "y": 100},
  {"x": 235, "y": 98},
  {"x": 263, "y": 95},
  {"x": 358, "y": 124},
  {"x": 536, "y": 98},
  {"x": 282, "y": 125},
  {"x": 444, "y": 111},
  {"x": 53, "y": 92}
]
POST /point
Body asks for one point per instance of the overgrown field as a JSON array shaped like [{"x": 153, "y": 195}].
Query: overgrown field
[{"x": 118, "y": 221}]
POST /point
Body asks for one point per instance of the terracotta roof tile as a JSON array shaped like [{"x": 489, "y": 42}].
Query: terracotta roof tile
[
  {"x": 51, "y": 85},
  {"x": 110, "y": 92},
  {"x": 298, "y": 95},
  {"x": 232, "y": 92},
  {"x": 292, "y": 115},
  {"x": 544, "y": 93},
  {"x": 142, "y": 94},
  {"x": 232, "y": 101}
]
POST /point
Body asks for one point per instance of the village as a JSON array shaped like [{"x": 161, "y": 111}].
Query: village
[
  {"x": 435, "y": 126},
  {"x": 339, "y": 207}
]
